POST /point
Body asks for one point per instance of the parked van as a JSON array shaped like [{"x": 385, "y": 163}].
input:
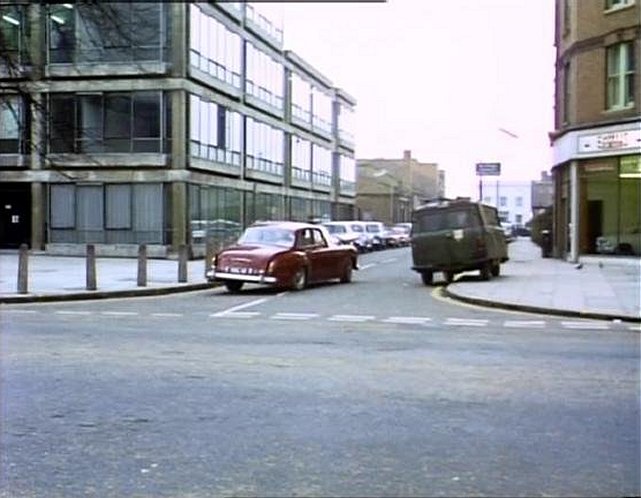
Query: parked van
[{"x": 457, "y": 235}]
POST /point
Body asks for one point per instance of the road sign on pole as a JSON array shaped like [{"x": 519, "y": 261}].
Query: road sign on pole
[{"x": 488, "y": 169}]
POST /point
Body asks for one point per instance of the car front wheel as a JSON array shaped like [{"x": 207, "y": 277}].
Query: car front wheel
[
  {"x": 347, "y": 272},
  {"x": 299, "y": 282},
  {"x": 233, "y": 285}
]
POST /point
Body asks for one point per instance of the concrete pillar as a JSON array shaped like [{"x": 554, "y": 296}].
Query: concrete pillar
[
  {"x": 178, "y": 215},
  {"x": 574, "y": 212},
  {"x": 38, "y": 202}
]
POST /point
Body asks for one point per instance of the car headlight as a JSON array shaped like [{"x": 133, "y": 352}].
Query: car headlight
[{"x": 270, "y": 266}]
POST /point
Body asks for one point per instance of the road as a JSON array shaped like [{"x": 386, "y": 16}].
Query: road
[{"x": 376, "y": 388}]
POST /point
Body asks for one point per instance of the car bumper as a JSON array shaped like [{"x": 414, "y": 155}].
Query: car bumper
[{"x": 214, "y": 276}]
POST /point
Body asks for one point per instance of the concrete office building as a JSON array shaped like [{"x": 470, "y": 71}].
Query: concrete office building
[
  {"x": 161, "y": 124},
  {"x": 597, "y": 136}
]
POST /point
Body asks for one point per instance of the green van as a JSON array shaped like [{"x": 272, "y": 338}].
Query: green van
[{"x": 457, "y": 235}]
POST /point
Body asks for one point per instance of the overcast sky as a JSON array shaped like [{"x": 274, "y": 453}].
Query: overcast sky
[{"x": 438, "y": 77}]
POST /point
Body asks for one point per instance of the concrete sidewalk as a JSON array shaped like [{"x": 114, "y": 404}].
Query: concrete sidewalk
[
  {"x": 57, "y": 278},
  {"x": 604, "y": 288},
  {"x": 598, "y": 287}
]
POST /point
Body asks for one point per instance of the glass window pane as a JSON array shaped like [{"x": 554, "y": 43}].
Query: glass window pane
[
  {"x": 62, "y": 206},
  {"x": 118, "y": 208},
  {"x": 147, "y": 114}
]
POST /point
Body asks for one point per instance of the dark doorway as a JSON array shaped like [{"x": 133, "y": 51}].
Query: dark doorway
[
  {"x": 15, "y": 214},
  {"x": 595, "y": 224}
]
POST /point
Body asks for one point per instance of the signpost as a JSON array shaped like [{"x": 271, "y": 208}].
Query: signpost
[{"x": 487, "y": 169}]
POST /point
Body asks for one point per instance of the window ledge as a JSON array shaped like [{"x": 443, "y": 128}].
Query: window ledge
[
  {"x": 618, "y": 8},
  {"x": 614, "y": 110}
]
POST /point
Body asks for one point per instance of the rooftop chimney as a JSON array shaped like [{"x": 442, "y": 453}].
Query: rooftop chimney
[{"x": 407, "y": 155}]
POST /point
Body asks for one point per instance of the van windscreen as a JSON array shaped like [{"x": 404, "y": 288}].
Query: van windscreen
[{"x": 446, "y": 219}]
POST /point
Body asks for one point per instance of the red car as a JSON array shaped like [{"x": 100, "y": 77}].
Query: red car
[{"x": 283, "y": 254}]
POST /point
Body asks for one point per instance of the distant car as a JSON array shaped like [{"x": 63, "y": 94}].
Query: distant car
[
  {"x": 508, "y": 231},
  {"x": 282, "y": 254},
  {"x": 345, "y": 232},
  {"x": 400, "y": 235},
  {"x": 377, "y": 231}
]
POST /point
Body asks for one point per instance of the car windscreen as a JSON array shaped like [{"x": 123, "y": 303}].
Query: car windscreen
[
  {"x": 335, "y": 228},
  {"x": 446, "y": 219},
  {"x": 372, "y": 228},
  {"x": 268, "y": 236}
]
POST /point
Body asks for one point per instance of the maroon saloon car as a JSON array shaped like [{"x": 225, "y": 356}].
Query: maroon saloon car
[{"x": 282, "y": 254}]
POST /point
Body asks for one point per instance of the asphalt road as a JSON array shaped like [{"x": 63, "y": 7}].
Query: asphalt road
[{"x": 374, "y": 388}]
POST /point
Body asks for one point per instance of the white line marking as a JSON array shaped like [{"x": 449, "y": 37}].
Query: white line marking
[
  {"x": 365, "y": 267},
  {"x": 294, "y": 316},
  {"x": 120, "y": 313},
  {"x": 240, "y": 307},
  {"x": 21, "y": 312},
  {"x": 390, "y": 260},
  {"x": 407, "y": 319},
  {"x": 350, "y": 318},
  {"x": 636, "y": 328},
  {"x": 236, "y": 314},
  {"x": 585, "y": 325},
  {"x": 73, "y": 312},
  {"x": 525, "y": 324},
  {"x": 168, "y": 315},
  {"x": 471, "y": 322}
]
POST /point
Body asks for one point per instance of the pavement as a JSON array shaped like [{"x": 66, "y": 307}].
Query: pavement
[{"x": 607, "y": 287}]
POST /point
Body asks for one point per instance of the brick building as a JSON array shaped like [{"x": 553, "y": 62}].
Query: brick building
[{"x": 597, "y": 136}]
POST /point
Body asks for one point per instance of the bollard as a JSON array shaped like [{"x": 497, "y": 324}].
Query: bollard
[
  {"x": 23, "y": 269},
  {"x": 142, "y": 265},
  {"x": 182, "y": 263},
  {"x": 91, "y": 267}
]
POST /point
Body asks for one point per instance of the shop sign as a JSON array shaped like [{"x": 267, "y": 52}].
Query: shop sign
[
  {"x": 598, "y": 167},
  {"x": 630, "y": 167},
  {"x": 612, "y": 141}
]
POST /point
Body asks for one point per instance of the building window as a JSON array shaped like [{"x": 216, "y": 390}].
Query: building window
[
  {"x": 106, "y": 32},
  {"x": 301, "y": 159},
  {"x": 502, "y": 201},
  {"x": 264, "y": 77},
  {"x": 13, "y": 132},
  {"x": 106, "y": 214},
  {"x": 519, "y": 201},
  {"x": 12, "y": 33},
  {"x": 264, "y": 147},
  {"x": 321, "y": 110},
  {"x": 321, "y": 165},
  {"x": 567, "y": 92},
  {"x": 620, "y": 75},
  {"x": 214, "y": 132},
  {"x": 347, "y": 172},
  {"x": 617, "y": 4},
  {"x": 108, "y": 122},
  {"x": 214, "y": 49}
]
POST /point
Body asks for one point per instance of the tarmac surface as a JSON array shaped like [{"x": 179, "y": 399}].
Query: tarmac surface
[{"x": 600, "y": 287}]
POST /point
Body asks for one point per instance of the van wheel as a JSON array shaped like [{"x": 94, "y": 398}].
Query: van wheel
[
  {"x": 486, "y": 271},
  {"x": 233, "y": 286},
  {"x": 496, "y": 270},
  {"x": 427, "y": 277},
  {"x": 449, "y": 276}
]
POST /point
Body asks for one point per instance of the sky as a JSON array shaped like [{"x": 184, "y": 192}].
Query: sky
[{"x": 441, "y": 78}]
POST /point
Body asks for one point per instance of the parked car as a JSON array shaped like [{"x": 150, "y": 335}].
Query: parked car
[
  {"x": 376, "y": 229},
  {"x": 457, "y": 235},
  {"x": 403, "y": 231},
  {"x": 282, "y": 254},
  {"x": 346, "y": 232}
]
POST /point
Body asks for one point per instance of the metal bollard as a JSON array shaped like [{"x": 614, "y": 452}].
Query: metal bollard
[
  {"x": 142, "y": 265},
  {"x": 23, "y": 269},
  {"x": 182, "y": 263},
  {"x": 91, "y": 267}
]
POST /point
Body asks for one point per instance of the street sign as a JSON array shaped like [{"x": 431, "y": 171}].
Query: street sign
[{"x": 488, "y": 169}]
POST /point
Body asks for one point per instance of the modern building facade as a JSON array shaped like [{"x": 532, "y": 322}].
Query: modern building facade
[
  {"x": 597, "y": 136},
  {"x": 388, "y": 189},
  {"x": 162, "y": 124}
]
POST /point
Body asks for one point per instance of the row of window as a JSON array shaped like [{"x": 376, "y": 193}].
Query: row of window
[
  {"x": 109, "y": 122},
  {"x": 126, "y": 122}
]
